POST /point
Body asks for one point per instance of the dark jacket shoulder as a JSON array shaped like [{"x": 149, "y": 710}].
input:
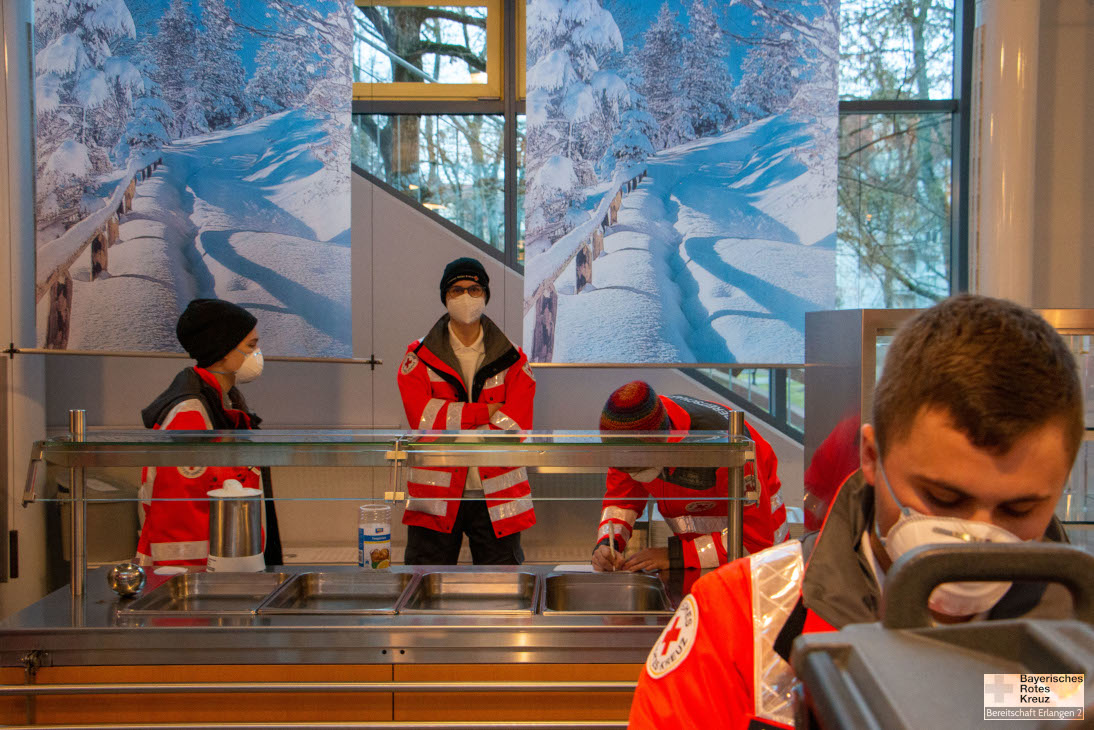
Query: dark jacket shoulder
[
  {"x": 839, "y": 586},
  {"x": 188, "y": 384}
]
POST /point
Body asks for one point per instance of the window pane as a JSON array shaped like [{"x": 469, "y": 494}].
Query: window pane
[
  {"x": 894, "y": 210},
  {"x": 896, "y": 49},
  {"x": 451, "y": 164},
  {"x": 520, "y": 189},
  {"x": 444, "y": 45},
  {"x": 795, "y": 398}
]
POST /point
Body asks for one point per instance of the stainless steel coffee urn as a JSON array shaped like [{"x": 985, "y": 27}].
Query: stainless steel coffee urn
[{"x": 235, "y": 529}]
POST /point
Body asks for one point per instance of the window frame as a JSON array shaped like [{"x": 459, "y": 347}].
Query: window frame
[
  {"x": 406, "y": 90},
  {"x": 960, "y": 109},
  {"x": 510, "y": 105}
]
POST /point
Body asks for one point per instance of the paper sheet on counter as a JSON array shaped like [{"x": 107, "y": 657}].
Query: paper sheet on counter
[{"x": 574, "y": 568}]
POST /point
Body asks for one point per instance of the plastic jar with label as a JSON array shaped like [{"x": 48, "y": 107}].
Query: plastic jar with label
[{"x": 374, "y": 536}]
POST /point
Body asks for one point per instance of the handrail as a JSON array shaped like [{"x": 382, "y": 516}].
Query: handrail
[
  {"x": 183, "y": 356},
  {"x": 99, "y": 230},
  {"x": 110, "y": 688},
  {"x": 541, "y": 272},
  {"x": 57, "y": 255},
  {"x": 487, "y": 725},
  {"x": 584, "y": 243}
]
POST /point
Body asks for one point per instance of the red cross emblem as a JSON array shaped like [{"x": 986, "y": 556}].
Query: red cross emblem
[
  {"x": 670, "y": 636},
  {"x": 676, "y": 642}
]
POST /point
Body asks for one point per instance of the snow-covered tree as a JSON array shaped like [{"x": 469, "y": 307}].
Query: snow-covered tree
[
  {"x": 221, "y": 74},
  {"x": 571, "y": 107},
  {"x": 331, "y": 94},
  {"x": 771, "y": 74},
  {"x": 174, "y": 50},
  {"x": 147, "y": 130},
  {"x": 797, "y": 43},
  {"x": 281, "y": 79},
  {"x": 631, "y": 144},
  {"x": 82, "y": 96},
  {"x": 811, "y": 31},
  {"x": 317, "y": 35},
  {"x": 705, "y": 82},
  {"x": 661, "y": 63}
]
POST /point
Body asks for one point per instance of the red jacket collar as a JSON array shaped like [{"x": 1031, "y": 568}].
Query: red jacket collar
[
  {"x": 209, "y": 379},
  {"x": 679, "y": 419},
  {"x": 242, "y": 419}
]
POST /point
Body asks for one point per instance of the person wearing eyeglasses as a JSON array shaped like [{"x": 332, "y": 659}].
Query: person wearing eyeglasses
[{"x": 463, "y": 375}]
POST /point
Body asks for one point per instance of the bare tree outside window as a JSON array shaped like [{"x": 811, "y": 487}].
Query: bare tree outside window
[
  {"x": 428, "y": 45},
  {"x": 895, "y": 169},
  {"x": 458, "y": 169}
]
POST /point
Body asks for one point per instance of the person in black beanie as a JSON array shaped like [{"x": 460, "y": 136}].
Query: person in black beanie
[
  {"x": 222, "y": 338},
  {"x": 466, "y": 374}
]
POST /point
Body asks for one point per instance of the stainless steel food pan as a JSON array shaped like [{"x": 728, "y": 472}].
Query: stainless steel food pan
[
  {"x": 471, "y": 593},
  {"x": 603, "y": 593},
  {"x": 353, "y": 593},
  {"x": 207, "y": 594}
]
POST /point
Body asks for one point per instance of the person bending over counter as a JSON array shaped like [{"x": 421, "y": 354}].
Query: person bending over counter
[
  {"x": 692, "y": 500},
  {"x": 977, "y": 418},
  {"x": 466, "y": 374},
  {"x": 223, "y": 340}
]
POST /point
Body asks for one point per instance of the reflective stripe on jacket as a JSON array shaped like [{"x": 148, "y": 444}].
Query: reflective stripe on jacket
[
  {"x": 694, "y": 510},
  {"x": 173, "y": 500},
  {"x": 436, "y": 398}
]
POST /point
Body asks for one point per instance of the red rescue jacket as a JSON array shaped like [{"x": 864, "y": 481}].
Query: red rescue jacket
[
  {"x": 436, "y": 398},
  {"x": 722, "y": 660},
  {"x": 693, "y": 501},
  {"x": 177, "y": 532}
]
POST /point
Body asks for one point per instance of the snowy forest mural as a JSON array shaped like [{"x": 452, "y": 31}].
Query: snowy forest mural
[
  {"x": 681, "y": 178},
  {"x": 192, "y": 148}
]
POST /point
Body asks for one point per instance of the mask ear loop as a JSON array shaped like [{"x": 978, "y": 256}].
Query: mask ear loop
[
  {"x": 888, "y": 486},
  {"x": 245, "y": 354}
]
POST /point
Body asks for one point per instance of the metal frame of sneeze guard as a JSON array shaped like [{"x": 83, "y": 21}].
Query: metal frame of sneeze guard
[{"x": 400, "y": 450}]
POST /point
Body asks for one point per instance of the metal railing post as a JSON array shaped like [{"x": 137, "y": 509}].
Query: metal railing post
[
  {"x": 736, "y": 483},
  {"x": 78, "y": 517}
]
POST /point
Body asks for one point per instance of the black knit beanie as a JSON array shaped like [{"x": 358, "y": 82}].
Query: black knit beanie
[
  {"x": 464, "y": 268},
  {"x": 211, "y": 328}
]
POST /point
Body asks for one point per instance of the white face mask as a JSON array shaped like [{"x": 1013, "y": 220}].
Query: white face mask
[
  {"x": 466, "y": 309},
  {"x": 913, "y": 529},
  {"x": 251, "y": 367},
  {"x": 646, "y": 475}
]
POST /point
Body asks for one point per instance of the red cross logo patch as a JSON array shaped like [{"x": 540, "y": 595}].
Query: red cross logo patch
[{"x": 676, "y": 641}]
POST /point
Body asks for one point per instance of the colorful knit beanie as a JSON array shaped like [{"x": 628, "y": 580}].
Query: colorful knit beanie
[{"x": 634, "y": 407}]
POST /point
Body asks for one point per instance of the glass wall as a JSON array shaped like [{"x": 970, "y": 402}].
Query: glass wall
[
  {"x": 452, "y": 164},
  {"x": 894, "y": 213},
  {"x": 439, "y": 44},
  {"x": 899, "y": 107}
]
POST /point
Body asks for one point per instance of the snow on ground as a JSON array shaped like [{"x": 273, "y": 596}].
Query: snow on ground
[
  {"x": 715, "y": 257},
  {"x": 248, "y": 215}
]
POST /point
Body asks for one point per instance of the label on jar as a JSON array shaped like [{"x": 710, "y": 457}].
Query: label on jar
[{"x": 374, "y": 545}]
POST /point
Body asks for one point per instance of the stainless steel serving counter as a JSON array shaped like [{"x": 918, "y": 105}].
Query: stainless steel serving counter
[{"x": 99, "y": 628}]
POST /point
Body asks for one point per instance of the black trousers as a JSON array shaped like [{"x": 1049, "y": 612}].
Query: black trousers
[{"x": 429, "y": 547}]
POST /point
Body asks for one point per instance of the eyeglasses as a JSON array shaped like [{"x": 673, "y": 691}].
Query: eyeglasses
[{"x": 474, "y": 290}]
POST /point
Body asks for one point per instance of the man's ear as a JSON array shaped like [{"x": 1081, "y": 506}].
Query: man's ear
[{"x": 868, "y": 453}]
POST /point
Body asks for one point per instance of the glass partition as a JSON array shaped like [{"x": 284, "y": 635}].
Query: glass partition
[{"x": 320, "y": 479}]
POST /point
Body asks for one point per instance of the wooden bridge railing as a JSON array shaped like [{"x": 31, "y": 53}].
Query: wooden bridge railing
[
  {"x": 99, "y": 230},
  {"x": 582, "y": 245}
]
